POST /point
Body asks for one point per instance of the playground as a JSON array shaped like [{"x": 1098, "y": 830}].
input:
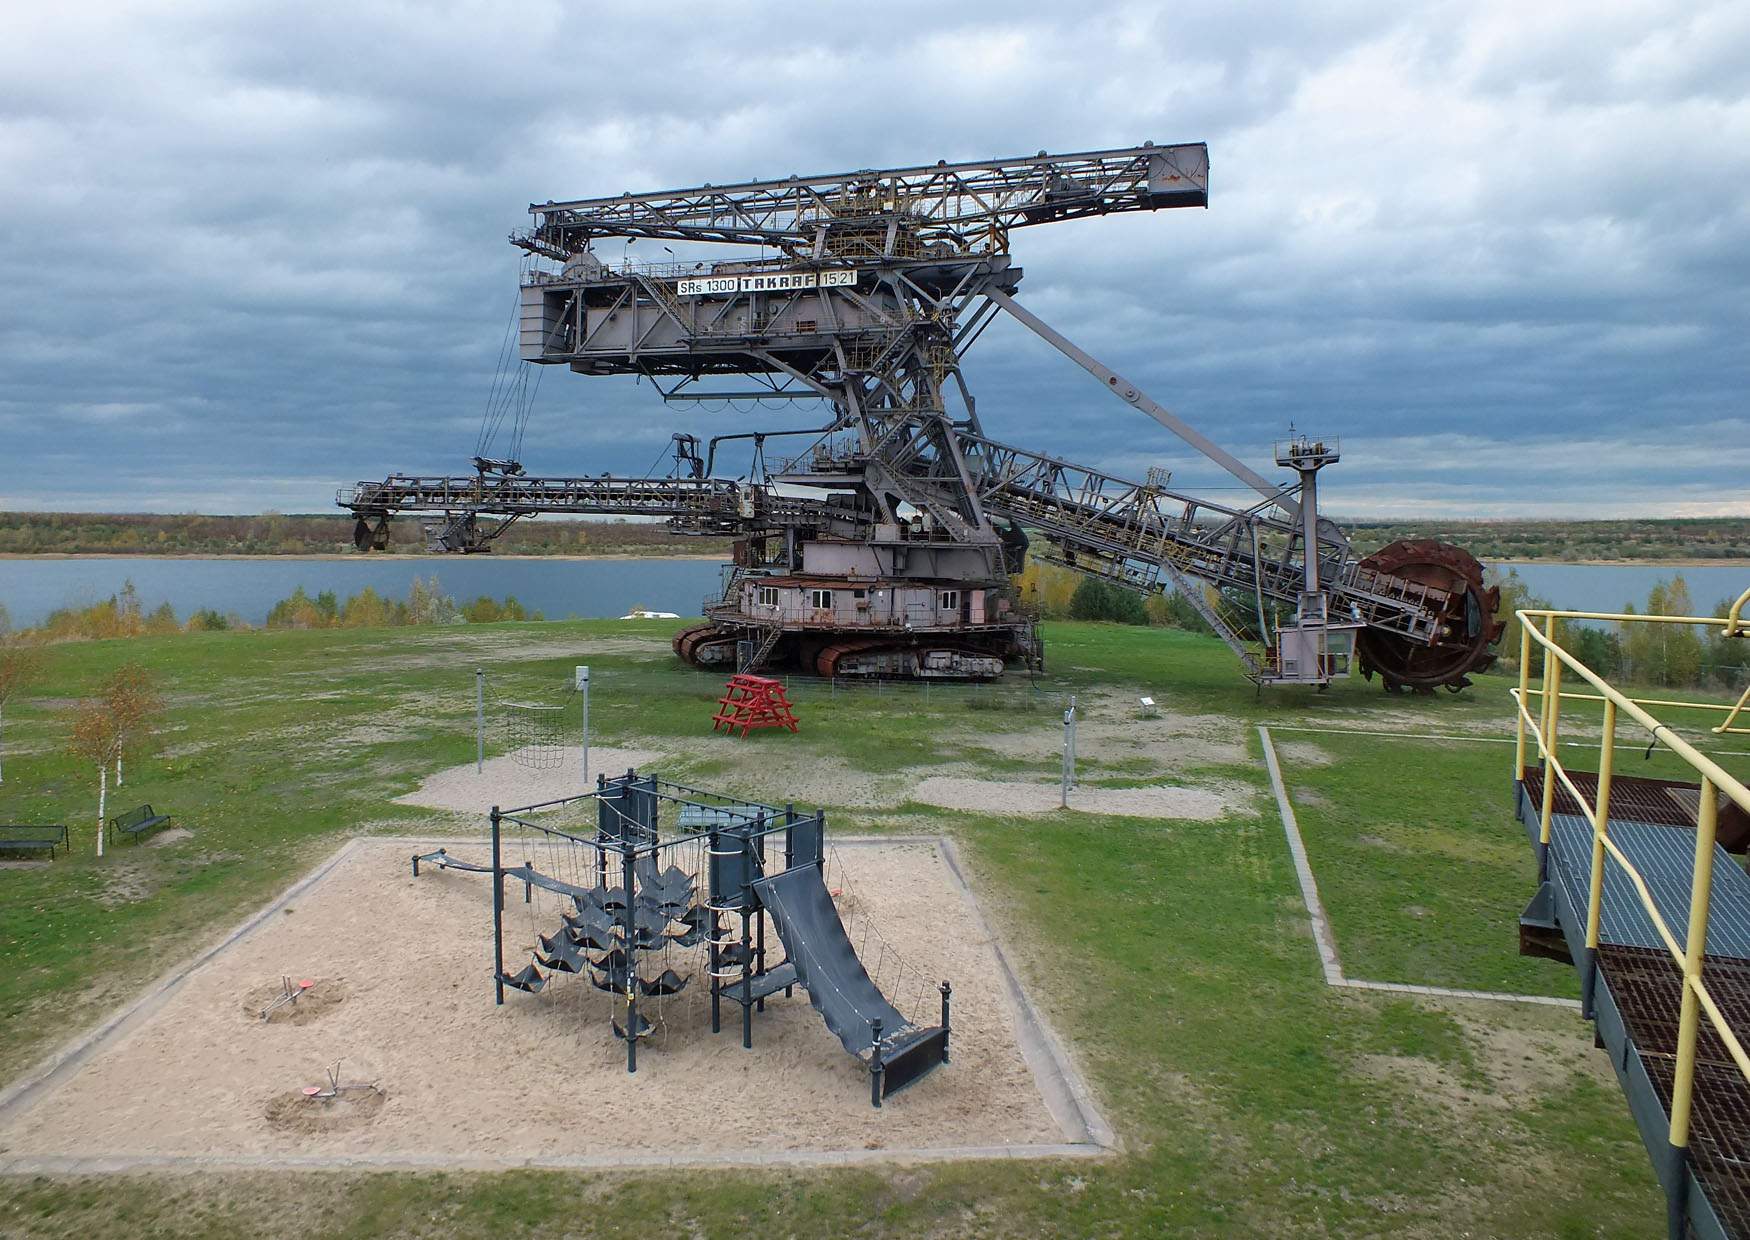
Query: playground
[{"x": 465, "y": 1083}]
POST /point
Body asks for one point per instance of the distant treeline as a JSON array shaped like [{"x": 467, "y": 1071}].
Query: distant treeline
[
  {"x": 73, "y": 533},
  {"x": 1053, "y": 592},
  {"x": 1702, "y": 538},
  {"x": 1667, "y": 656},
  {"x": 123, "y": 615},
  {"x": 84, "y": 533}
]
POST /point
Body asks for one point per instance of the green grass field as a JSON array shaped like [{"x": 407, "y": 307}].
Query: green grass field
[{"x": 1175, "y": 957}]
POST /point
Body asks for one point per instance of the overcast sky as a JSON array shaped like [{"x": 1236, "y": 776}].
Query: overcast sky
[{"x": 253, "y": 252}]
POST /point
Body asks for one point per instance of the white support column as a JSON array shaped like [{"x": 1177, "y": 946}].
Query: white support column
[
  {"x": 1069, "y": 752},
  {"x": 479, "y": 720},
  {"x": 583, "y": 688}
]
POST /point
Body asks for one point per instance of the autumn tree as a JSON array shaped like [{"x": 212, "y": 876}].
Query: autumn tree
[
  {"x": 96, "y": 738},
  {"x": 133, "y": 697},
  {"x": 1664, "y": 654},
  {"x": 20, "y": 660},
  {"x": 1515, "y": 597},
  {"x": 122, "y": 716}
]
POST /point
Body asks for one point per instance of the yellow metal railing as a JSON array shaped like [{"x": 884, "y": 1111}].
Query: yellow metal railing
[
  {"x": 1736, "y": 627},
  {"x": 1714, "y": 781}
]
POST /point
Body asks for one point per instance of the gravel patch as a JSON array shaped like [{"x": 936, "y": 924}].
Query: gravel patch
[
  {"x": 1204, "y": 804},
  {"x": 506, "y": 783}
]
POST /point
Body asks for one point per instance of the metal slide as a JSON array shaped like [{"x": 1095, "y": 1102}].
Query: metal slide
[{"x": 839, "y": 987}]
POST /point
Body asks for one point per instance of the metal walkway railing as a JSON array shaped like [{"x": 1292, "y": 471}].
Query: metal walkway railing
[{"x": 1699, "y": 1007}]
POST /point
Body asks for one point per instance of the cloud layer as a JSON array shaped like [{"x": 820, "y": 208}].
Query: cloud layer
[{"x": 252, "y": 254}]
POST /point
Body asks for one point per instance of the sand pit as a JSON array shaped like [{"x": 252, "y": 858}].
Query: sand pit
[
  {"x": 267, "y": 1001},
  {"x": 982, "y": 796},
  {"x": 196, "y": 1078},
  {"x": 504, "y": 782},
  {"x": 299, "y": 1112}
]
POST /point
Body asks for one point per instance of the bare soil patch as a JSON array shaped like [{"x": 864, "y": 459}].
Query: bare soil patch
[
  {"x": 1304, "y": 753},
  {"x": 1204, "y": 804},
  {"x": 123, "y": 885},
  {"x": 169, "y": 836},
  {"x": 1169, "y": 742}
]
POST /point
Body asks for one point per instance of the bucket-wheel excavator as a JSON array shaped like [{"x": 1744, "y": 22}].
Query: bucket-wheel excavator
[{"x": 886, "y": 546}]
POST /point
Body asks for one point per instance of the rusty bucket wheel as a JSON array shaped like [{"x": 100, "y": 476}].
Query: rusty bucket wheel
[{"x": 1468, "y": 630}]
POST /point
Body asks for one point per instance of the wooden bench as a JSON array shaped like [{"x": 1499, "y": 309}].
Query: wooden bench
[
  {"x": 136, "y": 822},
  {"x": 23, "y": 837}
]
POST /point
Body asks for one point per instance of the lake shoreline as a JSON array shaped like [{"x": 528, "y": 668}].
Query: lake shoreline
[
  {"x": 585, "y": 557},
  {"x": 1727, "y": 562},
  {"x": 344, "y": 557}
]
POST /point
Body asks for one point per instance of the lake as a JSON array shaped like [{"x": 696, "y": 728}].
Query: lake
[{"x": 31, "y": 588}]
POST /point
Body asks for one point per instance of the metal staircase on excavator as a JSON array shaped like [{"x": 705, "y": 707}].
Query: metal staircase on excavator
[
  {"x": 762, "y": 652},
  {"x": 660, "y": 293}
]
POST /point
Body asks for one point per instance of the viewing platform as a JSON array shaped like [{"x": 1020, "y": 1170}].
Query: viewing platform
[{"x": 1639, "y": 889}]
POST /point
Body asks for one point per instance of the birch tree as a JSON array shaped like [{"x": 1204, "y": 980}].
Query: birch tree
[
  {"x": 134, "y": 700},
  {"x": 96, "y": 737},
  {"x": 123, "y": 716}
]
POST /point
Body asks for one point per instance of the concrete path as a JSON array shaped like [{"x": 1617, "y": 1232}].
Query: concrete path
[{"x": 1321, "y": 924}]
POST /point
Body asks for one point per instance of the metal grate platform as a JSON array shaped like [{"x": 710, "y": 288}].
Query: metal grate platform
[
  {"x": 1637, "y": 994},
  {"x": 1636, "y": 798},
  {"x": 1665, "y": 856},
  {"x": 1647, "y": 989}
]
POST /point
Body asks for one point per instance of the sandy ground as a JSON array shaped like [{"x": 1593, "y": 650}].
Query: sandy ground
[
  {"x": 506, "y": 783},
  {"x": 985, "y": 796},
  {"x": 543, "y": 1076},
  {"x": 1170, "y": 742}
]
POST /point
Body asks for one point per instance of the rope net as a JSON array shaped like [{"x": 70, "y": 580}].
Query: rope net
[
  {"x": 911, "y": 990},
  {"x": 534, "y": 734},
  {"x": 538, "y": 735}
]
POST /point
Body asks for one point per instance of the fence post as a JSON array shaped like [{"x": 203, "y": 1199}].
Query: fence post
[
  {"x": 479, "y": 719},
  {"x": 1552, "y": 704},
  {"x": 1600, "y": 829},
  {"x": 1524, "y": 698},
  {"x": 1689, "y": 1022},
  {"x": 1069, "y": 752},
  {"x": 497, "y": 911},
  {"x": 629, "y": 879},
  {"x": 875, "y": 1063}
]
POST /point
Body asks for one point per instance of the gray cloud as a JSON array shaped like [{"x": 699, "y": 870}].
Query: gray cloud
[{"x": 251, "y": 254}]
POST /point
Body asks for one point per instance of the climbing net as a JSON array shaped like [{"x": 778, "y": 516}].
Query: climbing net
[
  {"x": 913, "y": 992},
  {"x": 537, "y": 734},
  {"x": 582, "y": 930}
]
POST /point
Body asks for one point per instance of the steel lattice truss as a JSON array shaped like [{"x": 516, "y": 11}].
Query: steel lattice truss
[
  {"x": 968, "y": 206},
  {"x": 1132, "y": 531}
]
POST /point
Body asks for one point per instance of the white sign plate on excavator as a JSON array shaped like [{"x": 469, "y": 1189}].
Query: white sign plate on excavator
[{"x": 765, "y": 282}]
